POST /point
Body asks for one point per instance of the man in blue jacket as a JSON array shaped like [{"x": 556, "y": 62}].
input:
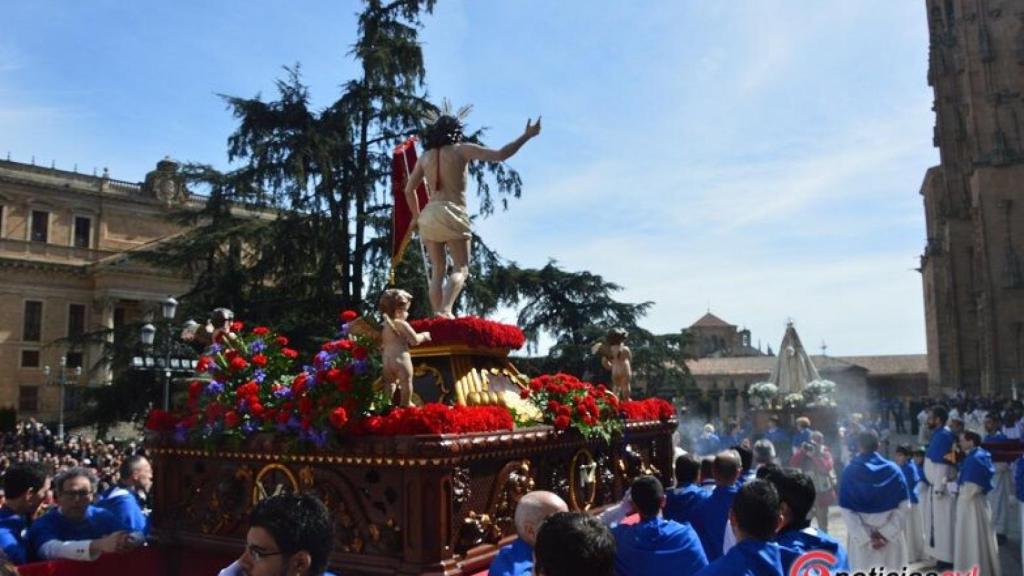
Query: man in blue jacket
[
  {"x": 25, "y": 485},
  {"x": 77, "y": 530},
  {"x": 711, "y": 518},
  {"x": 533, "y": 508},
  {"x": 655, "y": 546},
  {"x": 681, "y": 503},
  {"x": 127, "y": 500},
  {"x": 754, "y": 518},
  {"x": 796, "y": 536}
]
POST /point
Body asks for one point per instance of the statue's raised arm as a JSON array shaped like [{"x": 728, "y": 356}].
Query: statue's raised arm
[{"x": 443, "y": 223}]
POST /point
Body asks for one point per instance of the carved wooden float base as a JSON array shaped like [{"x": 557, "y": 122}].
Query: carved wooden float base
[{"x": 403, "y": 505}]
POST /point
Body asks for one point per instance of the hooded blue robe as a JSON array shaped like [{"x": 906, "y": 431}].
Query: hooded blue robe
[
  {"x": 656, "y": 546},
  {"x": 795, "y": 543},
  {"x": 681, "y": 503},
  {"x": 711, "y": 517},
  {"x": 977, "y": 467},
  {"x": 997, "y": 437},
  {"x": 55, "y": 526},
  {"x": 872, "y": 484},
  {"x": 747, "y": 558},
  {"x": 12, "y": 535},
  {"x": 707, "y": 444},
  {"x": 912, "y": 476},
  {"x": 941, "y": 444},
  {"x": 125, "y": 506},
  {"x": 516, "y": 559}
]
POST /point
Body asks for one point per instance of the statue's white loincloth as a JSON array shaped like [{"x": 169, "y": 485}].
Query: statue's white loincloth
[{"x": 443, "y": 221}]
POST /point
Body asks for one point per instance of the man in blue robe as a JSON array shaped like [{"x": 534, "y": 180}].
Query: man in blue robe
[
  {"x": 1000, "y": 497},
  {"x": 796, "y": 536},
  {"x": 77, "y": 530},
  {"x": 655, "y": 546},
  {"x": 25, "y": 486},
  {"x": 127, "y": 499},
  {"x": 939, "y": 504},
  {"x": 802, "y": 434},
  {"x": 708, "y": 442},
  {"x": 533, "y": 508},
  {"x": 747, "y": 460},
  {"x": 682, "y": 502},
  {"x": 874, "y": 500},
  {"x": 915, "y": 531},
  {"x": 754, "y": 517},
  {"x": 975, "y": 542},
  {"x": 711, "y": 518},
  {"x": 778, "y": 437}
]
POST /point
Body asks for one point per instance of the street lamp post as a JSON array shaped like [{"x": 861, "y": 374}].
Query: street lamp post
[
  {"x": 62, "y": 382},
  {"x": 166, "y": 364}
]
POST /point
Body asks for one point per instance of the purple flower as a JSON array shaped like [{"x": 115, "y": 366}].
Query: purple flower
[
  {"x": 248, "y": 427},
  {"x": 180, "y": 433},
  {"x": 361, "y": 367},
  {"x": 215, "y": 348},
  {"x": 214, "y": 388},
  {"x": 344, "y": 330},
  {"x": 283, "y": 392},
  {"x": 257, "y": 346},
  {"x": 321, "y": 358},
  {"x": 259, "y": 375}
]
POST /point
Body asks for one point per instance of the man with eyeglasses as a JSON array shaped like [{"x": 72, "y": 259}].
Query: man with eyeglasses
[
  {"x": 289, "y": 535},
  {"x": 77, "y": 530}
]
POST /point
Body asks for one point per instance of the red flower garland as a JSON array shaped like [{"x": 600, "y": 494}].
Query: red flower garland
[
  {"x": 437, "y": 419},
  {"x": 471, "y": 331},
  {"x": 644, "y": 410}
]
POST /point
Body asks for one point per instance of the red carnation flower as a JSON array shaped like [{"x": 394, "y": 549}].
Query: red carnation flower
[
  {"x": 359, "y": 353},
  {"x": 349, "y": 315},
  {"x": 339, "y": 417},
  {"x": 305, "y": 406},
  {"x": 203, "y": 364},
  {"x": 299, "y": 383},
  {"x": 524, "y": 394},
  {"x": 231, "y": 419},
  {"x": 256, "y": 408},
  {"x": 289, "y": 353},
  {"x": 261, "y": 330},
  {"x": 237, "y": 326},
  {"x": 238, "y": 363},
  {"x": 259, "y": 360},
  {"x": 562, "y": 422},
  {"x": 281, "y": 341}
]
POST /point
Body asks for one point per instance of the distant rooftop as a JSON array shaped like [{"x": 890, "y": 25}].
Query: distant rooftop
[
  {"x": 709, "y": 320},
  {"x": 887, "y": 365}
]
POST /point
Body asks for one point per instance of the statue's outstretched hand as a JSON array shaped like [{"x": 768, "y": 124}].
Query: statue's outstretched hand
[{"x": 532, "y": 128}]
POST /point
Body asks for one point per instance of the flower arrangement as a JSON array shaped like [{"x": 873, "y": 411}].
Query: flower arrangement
[
  {"x": 649, "y": 409},
  {"x": 793, "y": 400},
  {"x": 437, "y": 419},
  {"x": 471, "y": 331},
  {"x": 763, "y": 393},
  {"x": 819, "y": 392},
  {"x": 567, "y": 402}
]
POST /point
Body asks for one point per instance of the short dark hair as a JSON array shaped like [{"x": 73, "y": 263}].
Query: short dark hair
[
  {"x": 687, "y": 469},
  {"x": 128, "y": 465},
  {"x": 571, "y": 543},
  {"x": 796, "y": 489},
  {"x": 647, "y": 493},
  {"x": 940, "y": 412},
  {"x": 74, "y": 472},
  {"x": 25, "y": 476},
  {"x": 707, "y": 465},
  {"x": 746, "y": 455},
  {"x": 905, "y": 449},
  {"x": 867, "y": 441},
  {"x": 297, "y": 522},
  {"x": 756, "y": 507},
  {"x": 765, "y": 470},
  {"x": 973, "y": 437}
]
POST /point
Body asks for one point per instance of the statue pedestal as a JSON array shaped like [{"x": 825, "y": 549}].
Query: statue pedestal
[{"x": 402, "y": 505}]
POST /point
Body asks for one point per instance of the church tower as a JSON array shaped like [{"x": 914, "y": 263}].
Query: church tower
[{"x": 974, "y": 199}]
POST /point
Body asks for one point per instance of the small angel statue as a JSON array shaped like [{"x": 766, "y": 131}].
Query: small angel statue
[
  {"x": 616, "y": 356},
  {"x": 397, "y": 337}
]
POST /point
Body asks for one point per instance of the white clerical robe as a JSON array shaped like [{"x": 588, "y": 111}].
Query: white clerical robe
[
  {"x": 975, "y": 541},
  {"x": 915, "y": 527},
  {"x": 891, "y": 524},
  {"x": 999, "y": 498},
  {"x": 941, "y": 510}
]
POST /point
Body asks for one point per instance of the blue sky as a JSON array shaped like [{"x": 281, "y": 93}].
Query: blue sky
[{"x": 762, "y": 158}]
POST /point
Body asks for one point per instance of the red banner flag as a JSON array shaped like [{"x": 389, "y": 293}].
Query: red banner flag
[{"x": 403, "y": 160}]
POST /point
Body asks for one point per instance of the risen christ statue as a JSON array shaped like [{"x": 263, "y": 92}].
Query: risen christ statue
[{"x": 444, "y": 221}]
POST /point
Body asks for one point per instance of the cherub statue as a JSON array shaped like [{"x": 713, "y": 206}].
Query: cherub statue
[
  {"x": 217, "y": 328},
  {"x": 397, "y": 336},
  {"x": 444, "y": 222},
  {"x": 616, "y": 356}
]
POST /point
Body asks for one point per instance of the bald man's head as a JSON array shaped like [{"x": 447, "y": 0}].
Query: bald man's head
[
  {"x": 726, "y": 467},
  {"x": 531, "y": 511}
]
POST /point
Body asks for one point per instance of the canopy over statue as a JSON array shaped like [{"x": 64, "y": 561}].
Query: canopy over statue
[
  {"x": 443, "y": 223},
  {"x": 793, "y": 367}
]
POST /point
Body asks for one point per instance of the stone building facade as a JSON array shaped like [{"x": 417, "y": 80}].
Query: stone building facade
[
  {"x": 66, "y": 267},
  {"x": 710, "y": 336},
  {"x": 971, "y": 268}
]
